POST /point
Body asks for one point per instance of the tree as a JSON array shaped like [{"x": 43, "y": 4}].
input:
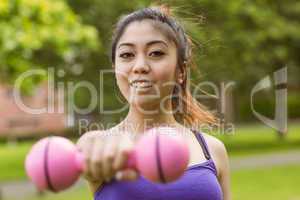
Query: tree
[{"x": 40, "y": 34}]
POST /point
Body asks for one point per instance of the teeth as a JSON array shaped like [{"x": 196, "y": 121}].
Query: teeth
[{"x": 144, "y": 84}]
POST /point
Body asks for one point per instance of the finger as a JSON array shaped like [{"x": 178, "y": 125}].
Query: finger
[
  {"x": 109, "y": 152},
  {"x": 126, "y": 175},
  {"x": 123, "y": 154},
  {"x": 96, "y": 158},
  {"x": 86, "y": 149},
  {"x": 121, "y": 159}
]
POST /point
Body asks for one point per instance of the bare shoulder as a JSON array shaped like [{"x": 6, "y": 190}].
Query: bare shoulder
[
  {"x": 214, "y": 144},
  {"x": 221, "y": 160},
  {"x": 218, "y": 152}
]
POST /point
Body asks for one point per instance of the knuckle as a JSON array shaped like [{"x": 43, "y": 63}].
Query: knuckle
[
  {"x": 116, "y": 167},
  {"x": 87, "y": 159},
  {"x": 96, "y": 161},
  {"x": 96, "y": 173},
  {"x": 116, "y": 163},
  {"x": 124, "y": 151},
  {"x": 87, "y": 175},
  {"x": 109, "y": 156}
]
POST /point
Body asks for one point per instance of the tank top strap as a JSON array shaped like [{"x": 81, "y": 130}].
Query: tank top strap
[{"x": 202, "y": 143}]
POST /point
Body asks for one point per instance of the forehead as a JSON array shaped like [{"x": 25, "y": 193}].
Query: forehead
[{"x": 141, "y": 32}]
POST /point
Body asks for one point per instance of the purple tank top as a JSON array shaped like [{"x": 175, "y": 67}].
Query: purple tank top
[{"x": 199, "y": 182}]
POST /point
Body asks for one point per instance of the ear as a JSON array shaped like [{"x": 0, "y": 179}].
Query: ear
[{"x": 180, "y": 76}]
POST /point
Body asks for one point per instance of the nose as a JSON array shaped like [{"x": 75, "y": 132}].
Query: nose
[{"x": 141, "y": 66}]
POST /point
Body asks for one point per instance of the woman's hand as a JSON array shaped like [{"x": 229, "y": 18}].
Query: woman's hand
[{"x": 106, "y": 155}]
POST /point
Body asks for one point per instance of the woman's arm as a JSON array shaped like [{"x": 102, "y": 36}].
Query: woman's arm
[
  {"x": 224, "y": 172},
  {"x": 221, "y": 160}
]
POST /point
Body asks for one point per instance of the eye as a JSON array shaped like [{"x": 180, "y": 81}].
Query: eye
[
  {"x": 156, "y": 53},
  {"x": 126, "y": 55}
]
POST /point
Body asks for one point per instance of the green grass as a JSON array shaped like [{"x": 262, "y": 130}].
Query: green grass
[
  {"x": 247, "y": 140},
  {"x": 12, "y": 161},
  {"x": 259, "y": 139},
  {"x": 81, "y": 193},
  {"x": 278, "y": 183}
]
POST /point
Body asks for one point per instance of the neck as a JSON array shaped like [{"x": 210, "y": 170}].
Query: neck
[{"x": 138, "y": 120}]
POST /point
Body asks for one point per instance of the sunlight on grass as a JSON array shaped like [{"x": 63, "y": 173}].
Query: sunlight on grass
[
  {"x": 12, "y": 160},
  {"x": 278, "y": 183},
  {"x": 258, "y": 139},
  {"x": 81, "y": 193},
  {"x": 247, "y": 140}
]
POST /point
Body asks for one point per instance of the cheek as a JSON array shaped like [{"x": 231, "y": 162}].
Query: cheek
[
  {"x": 122, "y": 73},
  {"x": 165, "y": 72},
  {"x": 123, "y": 85}
]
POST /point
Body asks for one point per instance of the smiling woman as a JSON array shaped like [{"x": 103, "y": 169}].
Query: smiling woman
[
  {"x": 145, "y": 61},
  {"x": 156, "y": 42},
  {"x": 150, "y": 54}
]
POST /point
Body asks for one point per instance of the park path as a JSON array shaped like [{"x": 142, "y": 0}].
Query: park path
[
  {"x": 22, "y": 189},
  {"x": 291, "y": 157}
]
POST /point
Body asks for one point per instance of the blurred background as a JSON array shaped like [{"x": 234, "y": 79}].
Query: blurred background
[{"x": 52, "y": 51}]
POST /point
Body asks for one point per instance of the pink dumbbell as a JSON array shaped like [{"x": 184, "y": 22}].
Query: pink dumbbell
[{"x": 54, "y": 163}]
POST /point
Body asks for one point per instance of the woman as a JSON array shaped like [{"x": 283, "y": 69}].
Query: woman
[{"x": 150, "y": 55}]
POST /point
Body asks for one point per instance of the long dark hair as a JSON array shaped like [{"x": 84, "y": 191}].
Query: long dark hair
[{"x": 193, "y": 113}]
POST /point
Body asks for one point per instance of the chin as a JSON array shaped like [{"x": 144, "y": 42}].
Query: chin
[{"x": 145, "y": 103}]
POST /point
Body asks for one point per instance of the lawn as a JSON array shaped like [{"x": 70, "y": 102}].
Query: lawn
[
  {"x": 259, "y": 139},
  {"x": 12, "y": 160},
  {"x": 278, "y": 183},
  {"x": 247, "y": 140},
  {"x": 81, "y": 193}
]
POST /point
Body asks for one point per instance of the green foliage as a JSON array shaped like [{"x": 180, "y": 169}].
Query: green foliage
[
  {"x": 243, "y": 41},
  {"x": 240, "y": 41},
  {"x": 293, "y": 105},
  {"x": 265, "y": 105},
  {"x": 40, "y": 34}
]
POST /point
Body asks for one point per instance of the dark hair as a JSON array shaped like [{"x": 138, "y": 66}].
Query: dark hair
[{"x": 193, "y": 111}]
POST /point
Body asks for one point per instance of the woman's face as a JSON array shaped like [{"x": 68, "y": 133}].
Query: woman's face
[{"x": 145, "y": 65}]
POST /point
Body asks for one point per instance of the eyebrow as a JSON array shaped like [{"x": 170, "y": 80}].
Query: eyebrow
[{"x": 148, "y": 43}]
